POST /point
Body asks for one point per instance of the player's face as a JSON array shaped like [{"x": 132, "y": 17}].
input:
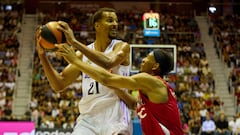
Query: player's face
[
  {"x": 147, "y": 63},
  {"x": 109, "y": 24}
]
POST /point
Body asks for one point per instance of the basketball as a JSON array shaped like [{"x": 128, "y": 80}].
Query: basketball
[{"x": 50, "y": 35}]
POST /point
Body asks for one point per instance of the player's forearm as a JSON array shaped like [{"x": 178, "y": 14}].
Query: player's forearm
[
  {"x": 95, "y": 56},
  {"x": 128, "y": 99},
  {"x": 98, "y": 74},
  {"x": 50, "y": 73}
]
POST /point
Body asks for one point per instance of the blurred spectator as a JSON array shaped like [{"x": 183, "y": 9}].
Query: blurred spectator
[
  {"x": 233, "y": 125},
  {"x": 203, "y": 111},
  {"x": 195, "y": 125},
  {"x": 222, "y": 125},
  {"x": 206, "y": 70},
  {"x": 208, "y": 125},
  {"x": 47, "y": 122},
  {"x": 35, "y": 116},
  {"x": 185, "y": 127},
  {"x": 70, "y": 123}
]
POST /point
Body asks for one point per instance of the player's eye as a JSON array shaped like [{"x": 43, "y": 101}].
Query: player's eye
[{"x": 109, "y": 20}]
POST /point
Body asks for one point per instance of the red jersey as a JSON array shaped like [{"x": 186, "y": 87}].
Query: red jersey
[{"x": 162, "y": 118}]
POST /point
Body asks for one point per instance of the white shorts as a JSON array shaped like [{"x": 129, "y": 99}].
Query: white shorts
[{"x": 108, "y": 121}]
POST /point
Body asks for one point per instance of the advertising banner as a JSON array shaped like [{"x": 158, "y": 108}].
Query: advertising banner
[
  {"x": 17, "y": 128},
  {"x": 54, "y": 131}
]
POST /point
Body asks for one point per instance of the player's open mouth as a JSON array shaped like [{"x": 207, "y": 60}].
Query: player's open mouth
[{"x": 114, "y": 31}]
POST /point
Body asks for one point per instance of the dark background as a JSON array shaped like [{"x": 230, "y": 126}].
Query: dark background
[{"x": 194, "y": 7}]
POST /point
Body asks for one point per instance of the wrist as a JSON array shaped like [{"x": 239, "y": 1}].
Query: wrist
[{"x": 74, "y": 42}]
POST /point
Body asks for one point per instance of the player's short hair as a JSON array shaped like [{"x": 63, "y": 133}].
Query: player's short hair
[
  {"x": 98, "y": 14},
  {"x": 165, "y": 61}
]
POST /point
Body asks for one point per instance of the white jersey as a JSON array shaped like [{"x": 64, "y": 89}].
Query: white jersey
[
  {"x": 95, "y": 96},
  {"x": 101, "y": 111}
]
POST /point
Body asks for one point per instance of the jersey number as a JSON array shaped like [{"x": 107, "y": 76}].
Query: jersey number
[{"x": 91, "y": 89}]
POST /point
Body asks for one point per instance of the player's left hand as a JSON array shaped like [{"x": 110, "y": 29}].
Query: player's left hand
[
  {"x": 67, "y": 52},
  {"x": 68, "y": 32}
]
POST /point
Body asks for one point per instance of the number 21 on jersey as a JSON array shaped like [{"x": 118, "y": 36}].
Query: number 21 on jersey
[{"x": 93, "y": 88}]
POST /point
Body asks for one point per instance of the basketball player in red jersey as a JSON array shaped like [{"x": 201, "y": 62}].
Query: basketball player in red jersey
[{"x": 157, "y": 109}]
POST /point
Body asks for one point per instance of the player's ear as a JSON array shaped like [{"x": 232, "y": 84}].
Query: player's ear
[
  {"x": 96, "y": 25},
  {"x": 155, "y": 66}
]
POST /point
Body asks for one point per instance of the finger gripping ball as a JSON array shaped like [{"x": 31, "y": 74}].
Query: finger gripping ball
[{"x": 50, "y": 35}]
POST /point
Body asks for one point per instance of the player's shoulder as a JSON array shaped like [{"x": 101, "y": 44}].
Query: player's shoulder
[
  {"x": 121, "y": 45},
  {"x": 147, "y": 78},
  {"x": 119, "y": 42},
  {"x": 142, "y": 76}
]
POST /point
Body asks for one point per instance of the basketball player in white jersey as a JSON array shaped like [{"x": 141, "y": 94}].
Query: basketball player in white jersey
[{"x": 101, "y": 110}]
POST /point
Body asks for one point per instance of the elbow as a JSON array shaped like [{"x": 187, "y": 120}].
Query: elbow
[{"x": 58, "y": 88}]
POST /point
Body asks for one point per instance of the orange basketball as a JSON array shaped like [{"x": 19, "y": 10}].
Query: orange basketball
[{"x": 50, "y": 35}]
